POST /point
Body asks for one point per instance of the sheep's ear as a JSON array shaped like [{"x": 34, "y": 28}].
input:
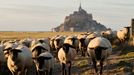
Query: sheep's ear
[
  {"x": 7, "y": 49},
  {"x": 104, "y": 48},
  {"x": 16, "y": 50},
  {"x": 41, "y": 47},
  {"x": 47, "y": 58},
  {"x": 91, "y": 48},
  {"x": 33, "y": 58}
]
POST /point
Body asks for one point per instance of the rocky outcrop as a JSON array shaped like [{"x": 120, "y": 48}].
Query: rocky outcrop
[{"x": 80, "y": 21}]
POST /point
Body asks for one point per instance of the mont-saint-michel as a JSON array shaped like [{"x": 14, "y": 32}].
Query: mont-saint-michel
[{"x": 80, "y": 21}]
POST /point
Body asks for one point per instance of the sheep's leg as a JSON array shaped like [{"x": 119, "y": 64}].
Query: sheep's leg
[
  {"x": 14, "y": 73},
  {"x": 40, "y": 73},
  {"x": 1, "y": 67},
  {"x": 94, "y": 64},
  {"x": 63, "y": 69},
  {"x": 101, "y": 65},
  {"x": 82, "y": 52},
  {"x": 69, "y": 68},
  {"x": 46, "y": 73},
  {"x": 51, "y": 71}
]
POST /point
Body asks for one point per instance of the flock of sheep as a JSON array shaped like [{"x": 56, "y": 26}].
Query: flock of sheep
[{"x": 21, "y": 55}]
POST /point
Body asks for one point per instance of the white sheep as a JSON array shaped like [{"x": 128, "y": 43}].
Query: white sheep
[
  {"x": 7, "y": 47},
  {"x": 90, "y": 37},
  {"x": 58, "y": 42},
  {"x": 72, "y": 40},
  {"x": 44, "y": 63},
  {"x": 37, "y": 48},
  {"x": 26, "y": 42},
  {"x": 19, "y": 61},
  {"x": 82, "y": 45},
  {"x": 66, "y": 55},
  {"x": 99, "y": 49},
  {"x": 123, "y": 34}
]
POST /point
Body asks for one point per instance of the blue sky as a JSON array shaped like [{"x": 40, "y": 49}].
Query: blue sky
[{"x": 42, "y": 15}]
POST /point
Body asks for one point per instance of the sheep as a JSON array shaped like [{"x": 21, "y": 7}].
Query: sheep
[
  {"x": 82, "y": 45},
  {"x": 37, "y": 48},
  {"x": 44, "y": 40},
  {"x": 66, "y": 55},
  {"x": 72, "y": 40},
  {"x": 123, "y": 34},
  {"x": 110, "y": 35},
  {"x": 52, "y": 46},
  {"x": 19, "y": 60},
  {"x": 44, "y": 63},
  {"x": 58, "y": 42},
  {"x": 99, "y": 49},
  {"x": 27, "y": 42},
  {"x": 7, "y": 47},
  {"x": 90, "y": 37},
  {"x": 2, "y": 57}
]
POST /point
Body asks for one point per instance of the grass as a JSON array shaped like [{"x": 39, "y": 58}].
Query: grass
[{"x": 21, "y": 35}]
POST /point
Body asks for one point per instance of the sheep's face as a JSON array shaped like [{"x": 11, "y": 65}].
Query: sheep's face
[
  {"x": 6, "y": 52},
  {"x": 82, "y": 41},
  {"x": 41, "y": 41},
  {"x": 37, "y": 51},
  {"x": 57, "y": 43},
  {"x": 39, "y": 62},
  {"x": 14, "y": 54},
  {"x": 73, "y": 40}
]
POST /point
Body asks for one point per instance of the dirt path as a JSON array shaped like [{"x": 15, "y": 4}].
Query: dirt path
[{"x": 81, "y": 67}]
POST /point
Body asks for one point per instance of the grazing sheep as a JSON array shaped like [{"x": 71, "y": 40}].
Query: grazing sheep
[
  {"x": 44, "y": 63},
  {"x": 19, "y": 61},
  {"x": 66, "y": 55},
  {"x": 99, "y": 49}
]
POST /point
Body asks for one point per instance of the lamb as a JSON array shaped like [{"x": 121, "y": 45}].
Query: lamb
[
  {"x": 66, "y": 55},
  {"x": 19, "y": 60},
  {"x": 44, "y": 63},
  {"x": 99, "y": 49}
]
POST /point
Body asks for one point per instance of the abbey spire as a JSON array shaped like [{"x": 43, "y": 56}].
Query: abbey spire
[{"x": 80, "y": 8}]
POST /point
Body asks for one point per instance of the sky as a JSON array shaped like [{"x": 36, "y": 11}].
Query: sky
[{"x": 43, "y": 15}]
